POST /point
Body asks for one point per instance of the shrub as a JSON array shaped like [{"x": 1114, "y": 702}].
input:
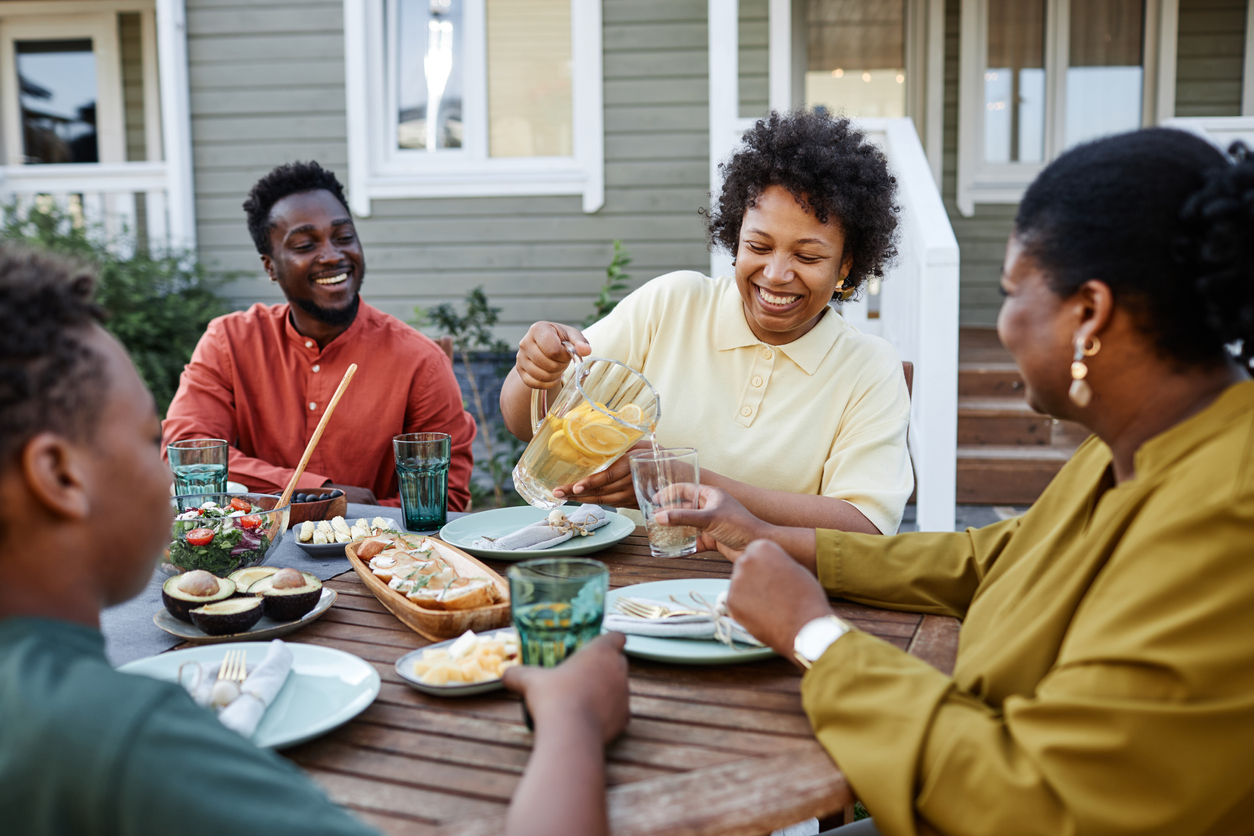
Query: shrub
[{"x": 159, "y": 304}]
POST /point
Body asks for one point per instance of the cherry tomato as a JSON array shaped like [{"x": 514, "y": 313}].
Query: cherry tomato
[
  {"x": 200, "y": 536},
  {"x": 238, "y": 503},
  {"x": 251, "y": 521}
]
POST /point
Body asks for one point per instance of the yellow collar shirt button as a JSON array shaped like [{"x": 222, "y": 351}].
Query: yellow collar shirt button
[
  {"x": 767, "y": 353},
  {"x": 757, "y": 382},
  {"x": 746, "y": 411}
]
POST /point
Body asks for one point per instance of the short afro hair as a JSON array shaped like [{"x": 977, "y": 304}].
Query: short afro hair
[
  {"x": 50, "y": 378},
  {"x": 831, "y": 169},
  {"x": 287, "y": 179}
]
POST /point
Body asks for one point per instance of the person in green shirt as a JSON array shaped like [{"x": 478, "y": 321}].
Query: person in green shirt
[
  {"x": 1104, "y": 681},
  {"x": 84, "y": 512}
]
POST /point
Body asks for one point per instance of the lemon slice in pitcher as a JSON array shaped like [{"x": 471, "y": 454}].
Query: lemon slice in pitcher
[
  {"x": 631, "y": 414},
  {"x": 597, "y": 438}
]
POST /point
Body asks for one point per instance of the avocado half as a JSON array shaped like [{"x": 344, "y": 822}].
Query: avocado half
[
  {"x": 234, "y": 615},
  {"x": 245, "y": 578},
  {"x": 183, "y": 593},
  {"x": 288, "y": 594}
]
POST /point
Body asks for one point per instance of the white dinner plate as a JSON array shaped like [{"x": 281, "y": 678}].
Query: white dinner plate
[
  {"x": 326, "y": 689},
  {"x": 236, "y": 487},
  {"x": 334, "y": 549},
  {"x": 684, "y": 651},
  {"x": 405, "y": 670},
  {"x": 498, "y": 522},
  {"x": 266, "y": 628}
]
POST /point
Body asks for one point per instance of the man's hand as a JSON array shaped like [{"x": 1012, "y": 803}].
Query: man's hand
[
  {"x": 724, "y": 523},
  {"x": 541, "y": 356},
  {"x": 364, "y": 496},
  {"x": 773, "y": 596},
  {"x": 611, "y": 486},
  {"x": 590, "y": 686}
]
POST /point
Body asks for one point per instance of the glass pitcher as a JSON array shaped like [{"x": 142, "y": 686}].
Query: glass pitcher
[{"x": 602, "y": 409}]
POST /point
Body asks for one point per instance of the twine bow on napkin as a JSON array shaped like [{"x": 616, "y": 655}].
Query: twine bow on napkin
[
  {"x": 710, "y": 621},
  {"x": 557, "y": 528},
  {"x": 243, "y": 714}
]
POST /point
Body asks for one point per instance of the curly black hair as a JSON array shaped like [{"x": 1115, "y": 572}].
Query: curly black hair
[
  {"x": 50, "y": 378},
  {"x": 287, "y": 179},
  {"x": 1164, "y": 219},
  {"x": 827, "y": 165}
]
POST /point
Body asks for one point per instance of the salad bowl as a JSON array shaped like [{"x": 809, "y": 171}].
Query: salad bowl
[{"x": 220, "y": 533}]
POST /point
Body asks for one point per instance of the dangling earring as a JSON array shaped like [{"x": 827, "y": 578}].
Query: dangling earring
[{"x": 1080, "y": 392}]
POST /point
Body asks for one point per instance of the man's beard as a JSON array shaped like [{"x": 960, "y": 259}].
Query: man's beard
[{"x": 331, "y": 316}]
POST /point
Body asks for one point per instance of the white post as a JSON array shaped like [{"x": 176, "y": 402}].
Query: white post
[
  {"x": 724, "y": 43},
  {"x": 176, "y": 121}
]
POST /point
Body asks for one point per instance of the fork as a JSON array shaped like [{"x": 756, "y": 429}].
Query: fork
[
  {"x": 638, "y": 609},
  {"x": 234, "y": 666}
]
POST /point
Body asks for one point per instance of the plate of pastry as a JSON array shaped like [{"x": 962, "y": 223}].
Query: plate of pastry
[{"x": 327, "y": 538}]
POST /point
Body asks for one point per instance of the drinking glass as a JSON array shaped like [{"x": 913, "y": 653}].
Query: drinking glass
[
  {"x": 422, "y": 469},
  {"x": 656, "y": 475},
  {"x": 199, "y": 465},
  {"x": 558, "y": 605}
]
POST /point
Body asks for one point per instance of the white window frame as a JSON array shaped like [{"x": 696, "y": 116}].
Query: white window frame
[
  {"x": 983, "y": 182},
  {"x": 102, "y": 31},
  {"x": 377, "y": 169}
]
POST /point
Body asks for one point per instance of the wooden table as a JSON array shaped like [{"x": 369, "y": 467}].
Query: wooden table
[{"x": 719, "y": 750}]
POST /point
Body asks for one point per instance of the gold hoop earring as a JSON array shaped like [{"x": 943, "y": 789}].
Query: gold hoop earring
[{"x": 1081, "y": 393}]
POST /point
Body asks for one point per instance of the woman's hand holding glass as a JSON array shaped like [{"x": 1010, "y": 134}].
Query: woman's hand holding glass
[
  {"x": 542, "y": 358},
  {"x": 724, "y": 523}
]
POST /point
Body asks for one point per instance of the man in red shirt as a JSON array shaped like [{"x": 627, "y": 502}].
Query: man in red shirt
[{"x": 261, "y": 378}]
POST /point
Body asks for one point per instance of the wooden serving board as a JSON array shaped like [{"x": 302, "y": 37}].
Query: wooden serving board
[{"x": 439, "y": 624}]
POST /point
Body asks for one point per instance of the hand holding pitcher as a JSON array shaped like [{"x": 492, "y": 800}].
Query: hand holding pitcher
[{"x": 543, "y": 356}]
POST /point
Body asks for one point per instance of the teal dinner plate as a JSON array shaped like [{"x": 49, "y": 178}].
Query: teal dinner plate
[
  {"x": 684, "y": 651},
  {"x": 498, "y": 522},
  {"x": 326, "y": 688}
]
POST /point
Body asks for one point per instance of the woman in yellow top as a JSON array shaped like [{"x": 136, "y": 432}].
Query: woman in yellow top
[
  {"x": 1105, "y": 672},
  {"x": 793, "y": 411}
]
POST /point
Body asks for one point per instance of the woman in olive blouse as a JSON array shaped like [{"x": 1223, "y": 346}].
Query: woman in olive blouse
[{"x": 1105, "y": 673}]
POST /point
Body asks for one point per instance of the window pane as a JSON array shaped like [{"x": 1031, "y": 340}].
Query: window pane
[
  {"x": 855, "y": 59},
  {"x": 529, "y": 100},
  {"x": 1104, "y": 75},
  {"x": 429, "y": 88},
  {"x": 57, "y": 81},
  {"x": 1014, "y": 82}
]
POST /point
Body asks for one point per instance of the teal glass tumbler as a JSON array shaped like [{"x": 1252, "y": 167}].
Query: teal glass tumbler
[
  {"x": 422, "y": 461},
  {"x": 199, "y": 465},
  {"x": 557, "y": 605}
]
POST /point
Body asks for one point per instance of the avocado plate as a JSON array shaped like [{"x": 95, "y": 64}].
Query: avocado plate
[{"x": 266, "y": 628}]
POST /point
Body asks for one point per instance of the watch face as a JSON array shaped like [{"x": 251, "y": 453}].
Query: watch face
[{"x": 815, "y": 637}]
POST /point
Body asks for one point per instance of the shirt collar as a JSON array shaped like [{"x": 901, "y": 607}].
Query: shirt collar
[
  {"x": 1168, "y": 447},
  {"x": 732, "y": 331},
  {"x": 364, "y": 312}
]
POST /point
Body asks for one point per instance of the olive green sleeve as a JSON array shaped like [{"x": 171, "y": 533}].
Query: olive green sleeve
[
  {"x": 935, "y": 573},
  {"x": 1142, "y": 726}
]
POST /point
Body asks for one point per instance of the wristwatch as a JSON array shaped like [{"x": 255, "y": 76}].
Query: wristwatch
[{"x": 816, "y": 637}]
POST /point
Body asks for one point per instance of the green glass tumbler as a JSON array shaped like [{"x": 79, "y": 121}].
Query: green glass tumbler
[
  {"x": 199, "y": 465},
  {"x": 422, "y": 461}
]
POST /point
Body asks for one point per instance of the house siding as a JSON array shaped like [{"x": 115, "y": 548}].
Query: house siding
[
  {"x": 267, "y": 87},
  {"x": 981, "y": 237},
  {"x": 1210, "y": 57}
]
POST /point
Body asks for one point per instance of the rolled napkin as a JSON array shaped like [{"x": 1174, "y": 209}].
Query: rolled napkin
[
  {"x": 711, "y": 622},
  {"x": 558, "y": 528},
  {"x": 243, "y": 713}
]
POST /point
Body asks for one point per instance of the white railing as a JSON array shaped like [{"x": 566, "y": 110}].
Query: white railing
[
  {"x": 919, "y": 316},
  {"x": 1221, "y": 130},
  {"x": 103, "y": 196}
]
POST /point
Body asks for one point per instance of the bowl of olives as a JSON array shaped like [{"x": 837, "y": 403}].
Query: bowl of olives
[{"x": 318, "y": 504}]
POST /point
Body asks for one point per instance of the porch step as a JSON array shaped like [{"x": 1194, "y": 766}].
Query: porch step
[
  {"x": 1007, "y": 453},
  {"x": 989, "y": 380},
  {"x": 1006, "y": 475}
]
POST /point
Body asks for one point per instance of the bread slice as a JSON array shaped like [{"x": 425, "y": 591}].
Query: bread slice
[{"x": 467, "y": 594}]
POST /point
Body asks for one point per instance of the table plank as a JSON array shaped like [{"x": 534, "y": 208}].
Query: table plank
[{"x": 709, "y": 750}]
